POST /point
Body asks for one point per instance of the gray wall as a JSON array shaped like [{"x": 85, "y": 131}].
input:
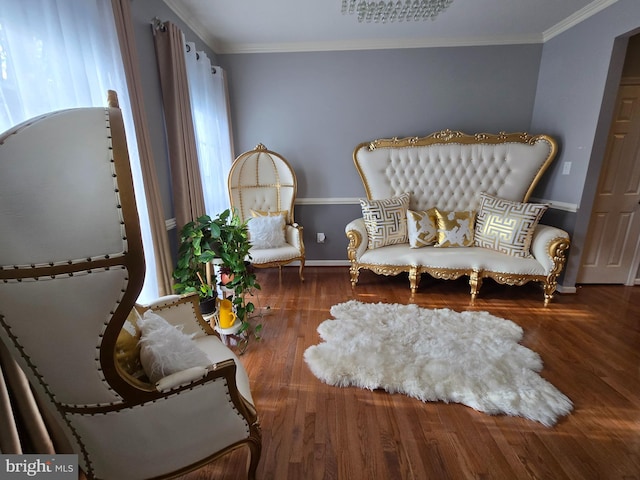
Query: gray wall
[
  {"x": 579, "y": 75},
  {"x": 315, "y": 107}
]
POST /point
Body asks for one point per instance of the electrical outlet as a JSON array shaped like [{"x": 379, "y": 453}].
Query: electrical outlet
[
  {"x": 566, "y": 168},
  {"x": 320, "y": 237}
]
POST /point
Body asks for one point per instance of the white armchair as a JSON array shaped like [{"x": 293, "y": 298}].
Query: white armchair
[
  {"x": 261, "y": 183},
  {"x": 71, "y": 269}
]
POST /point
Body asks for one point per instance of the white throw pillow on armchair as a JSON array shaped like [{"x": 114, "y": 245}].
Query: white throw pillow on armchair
[
  {"x": 165, "y": 349},
  {"x": 267, "y": 231}
]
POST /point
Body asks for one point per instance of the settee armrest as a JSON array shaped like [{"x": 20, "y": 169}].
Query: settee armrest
[
  {"x": 293, "y": 235},
  {"x": 358, "y": 239},
  {"x": 549, "y": 246}
]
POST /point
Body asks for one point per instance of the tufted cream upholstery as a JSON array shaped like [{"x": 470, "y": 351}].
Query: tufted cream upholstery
[
  {"x": 71, "y": 268},
  {"x": 449, "y": 176},
  {"x": 261, "y": 180},
  {"x": 448, "y": 170}
]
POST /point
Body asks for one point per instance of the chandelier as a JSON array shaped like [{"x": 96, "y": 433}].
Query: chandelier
[{"x": 398, "y": 11}]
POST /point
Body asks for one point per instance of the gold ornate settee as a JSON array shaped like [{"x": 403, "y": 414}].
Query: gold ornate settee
[{"x": 452, "y": 204}]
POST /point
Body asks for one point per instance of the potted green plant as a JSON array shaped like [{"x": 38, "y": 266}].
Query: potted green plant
[
  {"x": 234, "y": 248},
  {"x": 198, "y": 246},
  {"x": 225, "y": 240}
]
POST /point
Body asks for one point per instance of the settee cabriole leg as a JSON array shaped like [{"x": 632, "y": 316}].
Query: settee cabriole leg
[
  {"x": 557, "y": 251},
  {"x": 475, "y": 282},
  {"x": 414, "y": 279},
  {"x": 301, "y": 269},
  {"x": 549, "y": 290},
  {"x": 355, "y": 273}
]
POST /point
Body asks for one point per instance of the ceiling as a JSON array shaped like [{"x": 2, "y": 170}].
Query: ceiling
[{"x": 247, "y": 26}]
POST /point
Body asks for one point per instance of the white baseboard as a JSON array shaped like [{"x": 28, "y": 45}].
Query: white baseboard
[
  {"x": 563, "y": 289},
  {"x": 321, "y": 263},
  {"x": 328, "y": 263}
]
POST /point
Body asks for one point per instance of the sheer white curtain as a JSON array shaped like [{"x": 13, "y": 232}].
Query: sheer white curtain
[
  {"x": 57, "y": 54},
  {"x": 209, "y": 106}
]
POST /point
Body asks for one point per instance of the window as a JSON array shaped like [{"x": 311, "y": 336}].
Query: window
[{"x": 57, "y": 54}]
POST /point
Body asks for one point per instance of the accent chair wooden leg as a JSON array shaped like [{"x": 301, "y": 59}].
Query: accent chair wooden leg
[
  {"x": 255, "y": 450},
  {"x": 301, "y": 270}
]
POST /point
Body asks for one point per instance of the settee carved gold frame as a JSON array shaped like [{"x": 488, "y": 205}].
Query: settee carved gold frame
[{"x": 556, "y": 249}]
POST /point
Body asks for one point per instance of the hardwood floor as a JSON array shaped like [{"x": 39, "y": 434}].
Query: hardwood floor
[{"x": 589, "y": 342}]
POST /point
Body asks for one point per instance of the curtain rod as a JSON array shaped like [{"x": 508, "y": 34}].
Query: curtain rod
[{"x": 158, "y": 24}]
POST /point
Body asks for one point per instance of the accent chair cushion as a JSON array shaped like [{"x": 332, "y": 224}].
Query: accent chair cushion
[
  {"x": 267, "y": 231},
  {"x": 422, "y": 228},
  {"x": 455, "y": 229},
  {"x": 386, "y": 220},
  {"x": 507, "y": 226},
  {"x": 165, "y": 349}
]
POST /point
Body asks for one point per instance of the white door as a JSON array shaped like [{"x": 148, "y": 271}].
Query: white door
[{"x": 610, "y": 254}]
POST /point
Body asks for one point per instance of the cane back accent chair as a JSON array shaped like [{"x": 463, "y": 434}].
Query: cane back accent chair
[
  {"x": 71, "y": 269},
  {"x": 261, "y": 182}
]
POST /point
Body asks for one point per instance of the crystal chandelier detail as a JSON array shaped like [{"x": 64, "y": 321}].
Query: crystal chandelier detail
[{"x": 398, "y": 11}]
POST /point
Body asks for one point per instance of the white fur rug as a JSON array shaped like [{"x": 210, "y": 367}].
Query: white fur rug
[{"x": 472, "y": 358}]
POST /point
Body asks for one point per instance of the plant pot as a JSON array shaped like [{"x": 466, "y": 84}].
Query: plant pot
[
  {"x": 226, "y": 278},
  {"x": 208, "y": 305}
]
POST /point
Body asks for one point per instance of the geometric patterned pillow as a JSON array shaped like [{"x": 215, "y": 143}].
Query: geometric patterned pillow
[
  {"x": 422, "y": 228},
  {"x": 386, "y": 220},
  {"x": 455, "y": 229},
  {"x": 507, "y": 226}
]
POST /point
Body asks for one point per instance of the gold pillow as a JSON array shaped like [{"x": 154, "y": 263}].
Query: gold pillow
[
  {"x": 507, "y": 226},
  {"x": 422, "y": 228},
  {"x": 386, "y": 220},
  {"x": 127, "y": 351},
  {"x": 263, "y": 213},
  {"x": 455, "y": 229}
]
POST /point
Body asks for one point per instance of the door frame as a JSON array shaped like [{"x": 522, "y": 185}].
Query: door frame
[{"x": 633, "y": 278}]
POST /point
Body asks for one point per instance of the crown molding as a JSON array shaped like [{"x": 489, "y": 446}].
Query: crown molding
[
  {"x": 375, "y": 44},
  {"x": 194, "y": 24},
  {"x": 578, "y": 17},
  {"x": 220, "y": 47}
]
